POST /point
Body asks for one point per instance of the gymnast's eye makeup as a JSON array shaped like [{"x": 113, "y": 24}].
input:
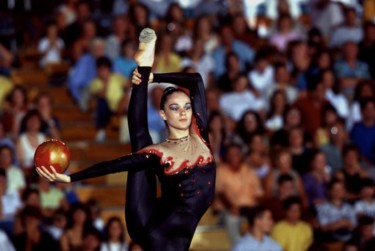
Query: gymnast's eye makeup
[
  {"x": 188, "y": 106},
  {"x": 173, "y": 107},
  {"x": 176, "y": 107}
]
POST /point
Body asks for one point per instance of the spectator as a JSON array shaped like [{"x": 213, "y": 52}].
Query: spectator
[
  {"x": 364, "y": 90},
  {"x": 257, "y": 156},
  {"x": 77, "y": 226},
  {"x": 285, "y": 183},
  {"x": 33, "y": 238},
  {"x": 6, "y": 141},
  {"x": 95, "y": 214},
  {"x": 14, "y": 112},
  {"x": 10, "y": 200},
  {"x": 228, "y": 43},
  {"x": 200, "y": 60},
  {"x": 166, "y": 59},
  {"x": 363, "y": 237},
  {"x": 352, "y": 172},
  {"x": 58, "y": 224},
  {"x": 326, "y": 15},
  {"x": 217, "y": 134},
  {"x": 30, "y": 198},
  {"x": 367, "y": 46},
  {"x": 363, "y": 133},
  {"x": 114, "y": 236},
  {"x": 108, "y": 90},
  {"x": 91, "y": 240},
  {"x": 6, "y": 88},
  {"x": 232, "y": 64},
  {"x": 6, "y": 60},
  {"x": 349, "y": 31},
  {"x": 50, "y": 124},
  {"x": 29, "y": 140},
  {"x": 278, "y": 105},
  {"x": 283, "y": 165},
  {"x": 292, "y": 233},
  {"x": 73, "y": 31},
  {"x": 51, "y": 46},
  {"x": 15, "y": 177},
  {"x": 329, "y": 119},
  {"x": 84, "y": 70},
  {"x": 155, "y": 124},
  {"x": 338, "y": 138},
  {"x": 316, "y": 180},
  {"x": 50, "y": 197},
  {"x": 336, "y": 217},
  {"x": 311, "y": 107},
  {"x": 261, "y": 77},
  {"x": 299, "y": 151},
  {"x": 234, "y": 104},
  {"x": 242, "y": 32},
  {"x": 249, "y": 124},
  {"x": 301, "y": 61},
  {"x": 350, "y": 70},
  {"x": 237, "y": 186},
  {"x": 282, "y": 82},
  {"x": 284, "y": 33},
  {"x": 125, "y": 64},
  {"x": 203, "y": 30},
  {"x": 333, "y": 95},
  {"x": 68, "y": 10},
  {"x": 114, "y": 41},
  {"x": 365, "y": 206},
  {"x": 292, "y": 117},
  {"x": 260, "y": 224}
]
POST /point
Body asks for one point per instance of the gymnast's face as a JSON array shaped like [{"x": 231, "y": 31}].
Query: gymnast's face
[{"x": 177, "y": 111}]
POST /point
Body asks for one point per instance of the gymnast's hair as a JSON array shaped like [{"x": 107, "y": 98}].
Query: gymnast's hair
[{"x": 168, "y": 92}]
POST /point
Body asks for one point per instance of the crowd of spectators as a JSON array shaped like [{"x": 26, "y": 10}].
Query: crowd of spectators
[{"x": 291, "y": 100}]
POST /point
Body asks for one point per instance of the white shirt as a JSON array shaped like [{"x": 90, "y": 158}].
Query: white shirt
[
  {"x": 11, "y": 203},
  {"x": 339, "y": 102},
  {"x": 364, "y": 207},
  {"x": 355, "y": 115},
  {"x": 235, "y": 104},
  {"x": 15, "y": 178},
  {"x": 5, "y": 244},
  {"x": 204, "y": 66},
  {"x": 345, "y": 34},
  {"x": 261, "y": 81},
  {"x": 28, "y": 149},
  {"x": 113, "y": 246},
  {"x": 52, "y": 54}
]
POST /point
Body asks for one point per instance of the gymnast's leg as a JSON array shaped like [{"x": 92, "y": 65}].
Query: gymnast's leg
[{"x": 141, "y": 185}]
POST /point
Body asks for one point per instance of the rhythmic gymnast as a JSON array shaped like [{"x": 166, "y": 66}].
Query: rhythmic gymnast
[{"x": 183, "y": 162}]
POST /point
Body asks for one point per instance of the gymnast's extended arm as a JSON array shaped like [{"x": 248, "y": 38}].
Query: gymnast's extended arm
[{"x": 136, "y": 161}]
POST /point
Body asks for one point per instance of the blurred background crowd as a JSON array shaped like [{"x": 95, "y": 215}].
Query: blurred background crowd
[{"x": 291, "y": 102}]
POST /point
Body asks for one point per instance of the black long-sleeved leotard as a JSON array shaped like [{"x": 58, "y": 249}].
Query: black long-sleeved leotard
[{"x": 185, "y": 168}]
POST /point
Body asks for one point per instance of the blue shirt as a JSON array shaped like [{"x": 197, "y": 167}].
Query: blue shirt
[
  {"x": 248, "y": 243},
  {"x": 244, "y": 53},
  {"x": 125, "y": 66},
  {"x": 364, "y": 138},
  {"x": 343, "y": 70},
  {"x": 81, "y": 74}
]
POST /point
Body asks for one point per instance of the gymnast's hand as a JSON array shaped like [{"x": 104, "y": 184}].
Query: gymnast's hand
[
  {"x": 52, "y": 176},
  {"x": 136, "y": 78}
]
